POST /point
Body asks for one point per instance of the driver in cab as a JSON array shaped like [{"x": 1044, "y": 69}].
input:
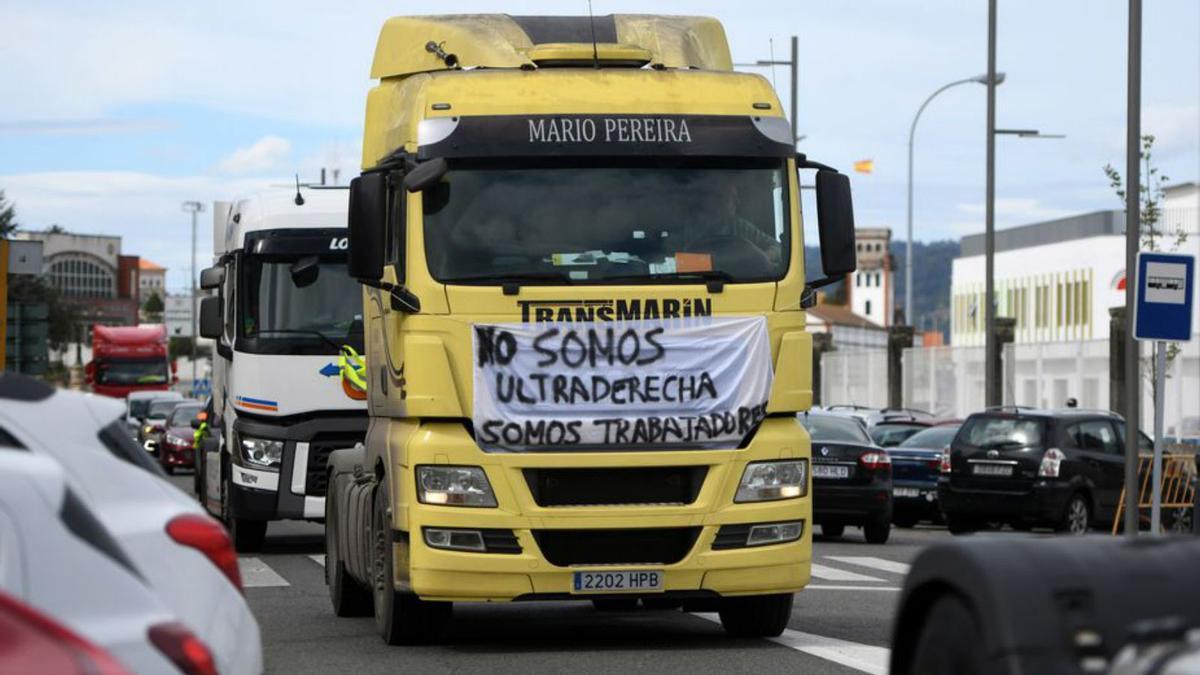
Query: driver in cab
[{"x": 717, "y": 222}]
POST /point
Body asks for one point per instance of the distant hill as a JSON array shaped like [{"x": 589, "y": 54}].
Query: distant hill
[{"x": 931, "y": 277}]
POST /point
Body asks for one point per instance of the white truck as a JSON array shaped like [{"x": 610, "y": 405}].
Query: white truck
[{"x": 283, "y": 313}]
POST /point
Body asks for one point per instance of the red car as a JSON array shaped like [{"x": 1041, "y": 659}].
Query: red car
[{"x": 175, "y": 451}]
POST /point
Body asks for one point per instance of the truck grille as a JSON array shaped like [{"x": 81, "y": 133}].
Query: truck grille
[
  {"x": 662, "y": 546},
  {"x": 316, "y": 480},
  {"x": 608, "y": 487}
]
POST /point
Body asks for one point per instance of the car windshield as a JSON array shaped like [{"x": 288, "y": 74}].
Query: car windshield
[
  {"x": 889, "y": 435},
  {"x": 182, "y": 415},
  {"x": 132, "y": 371},
  {"x": 162, "y": 408},
  {"x": 1000, "y": 432},
  {"x": 275, "y": 308},
  {"x": 934, "y": 438},
  {"x": 618, "y": 221},
  {"x": 832, "y": 429},
  {"x": 138, "y": 407}
]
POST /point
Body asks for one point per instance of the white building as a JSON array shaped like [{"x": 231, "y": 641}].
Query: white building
[
  {"x": 152, "y": 280},
  {"x": 1057, "y": 279},
  {"x": 869, "y": 290}
]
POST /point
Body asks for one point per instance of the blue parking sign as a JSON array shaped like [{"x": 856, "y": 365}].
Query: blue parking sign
[{"x": 1166, "y": 287}]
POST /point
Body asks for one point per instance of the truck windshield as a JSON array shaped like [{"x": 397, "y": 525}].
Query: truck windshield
[
  {"x": 132, "y": 371},
  {"x": 609, "y": 221},
  {"x": 323, "y": 315}
]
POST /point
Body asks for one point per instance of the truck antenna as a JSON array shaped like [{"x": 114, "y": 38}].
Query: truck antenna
[
  {"x": 595, "y": 49},
  {"x": 299, "y": 197}
]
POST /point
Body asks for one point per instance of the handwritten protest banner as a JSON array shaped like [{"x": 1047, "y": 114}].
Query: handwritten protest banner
[{"x": 701, "y": 382}]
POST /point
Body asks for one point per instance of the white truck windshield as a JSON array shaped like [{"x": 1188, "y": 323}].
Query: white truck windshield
[
  {"x": 619, "y": 221},
  {"x": 274, "y": 307}
]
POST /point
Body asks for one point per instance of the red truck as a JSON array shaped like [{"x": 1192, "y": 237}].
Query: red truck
[{"x": 128, "y": 358}]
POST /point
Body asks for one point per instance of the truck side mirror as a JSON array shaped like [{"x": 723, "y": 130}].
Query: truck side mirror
[
  {"x": 211, "y": 325},
  {"x": 368, "y": 224},
  {"x": 425, "y": 174},
  {"x": 212, "y": 277},
  {"x": 835, "y": 223},
  {"x": 305, "y": 271}
]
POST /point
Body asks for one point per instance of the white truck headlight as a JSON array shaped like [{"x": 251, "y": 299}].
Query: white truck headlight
[
  {"x": 454, "y": 486},
  {"x": 262, "y": 452},
  {"x": 769, "y": 481}
]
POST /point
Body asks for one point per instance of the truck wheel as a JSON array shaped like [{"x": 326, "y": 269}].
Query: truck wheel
[
  {"x": 877, "y": 532},
  {"x": 756, "y": 615},
  {"x": 832, "y": 530},
  {"x": 400, "y": 618},
  {"x": 247, "y": 535},
  {"x": 349, "y": 597},
  {"x": 615, "y": 604},
  {"x": 949, "y": 639}
]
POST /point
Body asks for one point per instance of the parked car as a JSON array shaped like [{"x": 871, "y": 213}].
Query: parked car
[
  {"x": 916, "y": 466},
  {"x": 175, "y": 450},
  {"x": 184, "y": 555},
  {"x": 137, "y": 405},
  {"x": 870, "y": 417},
  {"x": 852, "y": 477},
  {"x": 893, "y": 428},
  {"x": 151, "y": 431},
  {"x": 58, "y": 558},
  {"x": 1028, "y": 467},
  {"x": 36, "y": 643}
]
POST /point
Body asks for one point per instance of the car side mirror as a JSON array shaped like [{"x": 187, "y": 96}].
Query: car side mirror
[
  {"x": 425, "y": 174},
  {"x": 835, "y": 224},
  {"x": 368, "y": 224},
  {"x": 211, "y": 325},
  {"x": 212, "y": 277},
  {"x": 305, "y": 271}
]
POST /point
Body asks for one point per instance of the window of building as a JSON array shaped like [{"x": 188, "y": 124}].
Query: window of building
[
  {"x": 78, "y": 275},
  {"x": 868, "y": 308}
]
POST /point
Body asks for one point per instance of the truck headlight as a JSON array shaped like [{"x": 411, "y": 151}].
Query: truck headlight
[
  {"x": 768, "y": 481},
  {"x": 262, "y": 452},
  {"x": 454, "y": 486}
]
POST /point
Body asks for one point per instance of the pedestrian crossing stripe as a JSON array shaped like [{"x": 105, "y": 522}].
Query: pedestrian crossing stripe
[
  {"x": 864, "y": 658},
  {"x": 257, "y": 574},
  {"x": 836, "y": 574},
  {"x": 873, "y": 563}
]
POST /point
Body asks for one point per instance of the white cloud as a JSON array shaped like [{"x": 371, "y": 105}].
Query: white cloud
[
  {"x": 1010, "y": 212},
  {"x": 265, "y": 154},
  {"x": 1175, "y": 128}
]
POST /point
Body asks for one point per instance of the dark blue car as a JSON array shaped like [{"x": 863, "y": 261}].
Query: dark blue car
[{"x": 916, "y": 463}]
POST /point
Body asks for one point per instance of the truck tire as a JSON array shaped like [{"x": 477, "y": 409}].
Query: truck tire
[
  {"x": 401, "y": 618},
  {"x": 756, "y": 616},
  {"x": 349, "y": 597},
  {"x": 247, "y": 535},
  {"x": 878, "y": 531},
  {"x": 949, "y": 640}
]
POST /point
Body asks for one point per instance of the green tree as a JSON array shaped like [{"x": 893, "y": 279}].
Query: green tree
[
  {"x": 153, "y": 308},
  {"x": 8, "y": 217},
  {"x": 36, "y": 289}
]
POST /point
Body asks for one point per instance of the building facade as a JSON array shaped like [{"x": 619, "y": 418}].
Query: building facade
[
  {"x": 152, "y": 280},
  {"x": 870, "y": 290}
]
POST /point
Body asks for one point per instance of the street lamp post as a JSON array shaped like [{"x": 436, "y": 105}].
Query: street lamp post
[
  {"x": 194, "y": 208},
  {"x": 909, "y": 315}
]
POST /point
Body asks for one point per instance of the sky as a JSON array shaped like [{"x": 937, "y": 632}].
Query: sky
[{"x": 114, "y": 113}]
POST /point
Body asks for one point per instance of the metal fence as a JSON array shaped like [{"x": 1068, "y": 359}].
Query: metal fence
[{"x": 948, "y": 381}]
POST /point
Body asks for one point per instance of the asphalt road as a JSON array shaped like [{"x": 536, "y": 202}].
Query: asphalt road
[{"x": 840, "y": 624}]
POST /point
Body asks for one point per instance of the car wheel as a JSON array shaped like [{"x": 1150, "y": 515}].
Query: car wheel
[
  {"x": 1077, "y": 517},
  {"x": 877, "y": 532},
  {"x": 832, "y": 530},
  {"x": 247, "y": 535},
  {"x": 400, "y": 618},
  {"x": 949, "y": 639},
  {"x": 349, "y": 597},
  {"x": 756, "y": 616},
  {"x": 960, "y": 525},
  {"x": 615, "y": 604}
]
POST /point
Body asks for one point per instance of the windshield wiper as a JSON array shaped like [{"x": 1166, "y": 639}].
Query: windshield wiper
[
  {"x": 511, "y": 283},
  {"x": 296, "y": 331},
  {"x": 716, "y": 279}
]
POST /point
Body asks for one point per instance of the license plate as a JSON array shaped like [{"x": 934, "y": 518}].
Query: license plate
[
  {"x": 617, "y": 581},
  {"x": 992, "y": 470},
  {"x": 906, "y": 492},
  {"x": 830, "y": 471}
]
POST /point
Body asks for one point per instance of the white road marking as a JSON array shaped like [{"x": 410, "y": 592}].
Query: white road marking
[
  {"x": 865, "y": 658},
  {"x": 834, "y": 587},
  {"x": 319, "y": 559},
  {"x": 873, "y": 563},
  {"x": 835, "y": 574},
  {"x": 256, "y": 573}
]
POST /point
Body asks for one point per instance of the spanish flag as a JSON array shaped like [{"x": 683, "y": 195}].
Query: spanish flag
[{"x": 864, "y": 165}]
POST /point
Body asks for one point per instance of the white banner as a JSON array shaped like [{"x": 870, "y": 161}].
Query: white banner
[{"x": 696, "y": 382}]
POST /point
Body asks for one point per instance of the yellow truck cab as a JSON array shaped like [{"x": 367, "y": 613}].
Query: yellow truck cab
[{"x": 583, "y": 278}]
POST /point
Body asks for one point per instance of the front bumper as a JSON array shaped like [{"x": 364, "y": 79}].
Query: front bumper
[
  {"x": 177, "y": 455},
  {"x": 700, "y": 571},
  {"x": 1043, "y": 502},
  {"x": 924, "y": 504}
]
